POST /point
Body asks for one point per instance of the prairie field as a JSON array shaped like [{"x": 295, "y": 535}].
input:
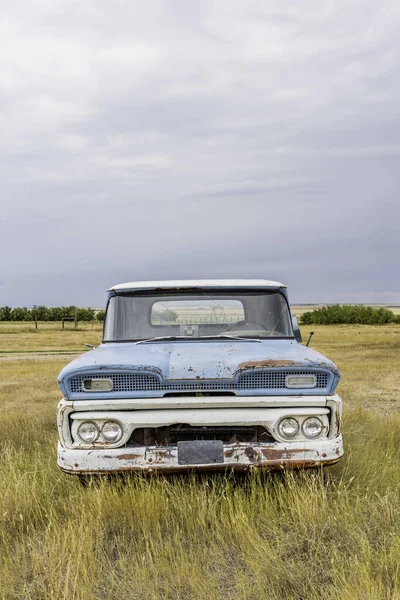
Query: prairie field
[{"x": 332, "y": 534}]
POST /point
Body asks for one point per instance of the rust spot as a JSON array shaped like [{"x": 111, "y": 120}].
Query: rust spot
[
  {"x": 337, "y": 422},
  {"x": 129, "y": 456},
  {"x": 274, "y": 454},
  {"x": 329, "y": 366},
  {"x": 251, "y": 454},
  {"x": 229, "y": 453},
  {"x": 269, "y": 363},
  {"x": 151, "y": 368},
  {"x": 163, "y": 453},
  {"x": 99, "y": 445}
]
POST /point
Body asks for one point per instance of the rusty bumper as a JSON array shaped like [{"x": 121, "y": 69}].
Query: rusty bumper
[{"x": 240, "y": 457}]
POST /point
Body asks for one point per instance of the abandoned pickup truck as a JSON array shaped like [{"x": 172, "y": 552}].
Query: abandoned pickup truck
[{"x": 204, "y": 375}]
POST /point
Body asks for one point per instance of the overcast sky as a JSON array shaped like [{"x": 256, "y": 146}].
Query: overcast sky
[{"x": 194, "y": 139}]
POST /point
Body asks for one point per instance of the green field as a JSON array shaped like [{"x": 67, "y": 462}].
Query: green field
[{"x": 331, "y": 535}]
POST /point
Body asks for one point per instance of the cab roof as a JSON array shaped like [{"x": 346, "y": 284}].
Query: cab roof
[{"x": 134, "y": 286}]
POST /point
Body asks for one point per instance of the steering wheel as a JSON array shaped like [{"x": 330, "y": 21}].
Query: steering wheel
[{"x": 244, "y": 322}]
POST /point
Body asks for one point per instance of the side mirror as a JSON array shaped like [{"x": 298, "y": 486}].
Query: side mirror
[{"x": 296, "y": 328}]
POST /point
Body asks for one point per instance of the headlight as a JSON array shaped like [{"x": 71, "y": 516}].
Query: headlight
[
  {"x": 88, "y": 432},
  {"x": 301, "y": 381},
  {"x": 112, "y": 431},
  {"x": 288, "y": 428},
  {"x": 312, "y": 427},
  {"x": 97, "y": 385}
]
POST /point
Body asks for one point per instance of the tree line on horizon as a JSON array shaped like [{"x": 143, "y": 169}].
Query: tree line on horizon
[
  {"x": 335, "y": 314},
  {"x": 49, "y": 313}
]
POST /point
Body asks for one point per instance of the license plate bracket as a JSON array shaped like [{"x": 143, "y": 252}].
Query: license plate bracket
[{"x": 200, "y": 452}]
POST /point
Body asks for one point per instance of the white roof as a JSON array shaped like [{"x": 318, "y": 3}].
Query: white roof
[{"x": 196, "y": 283}]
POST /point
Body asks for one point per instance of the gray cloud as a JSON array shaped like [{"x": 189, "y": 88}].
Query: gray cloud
[{"x": 169, "y": 140}]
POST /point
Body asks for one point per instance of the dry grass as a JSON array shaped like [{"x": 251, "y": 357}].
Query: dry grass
[
  {"x": 49, "y": 337},
  {"x": 302, "y": 535}
]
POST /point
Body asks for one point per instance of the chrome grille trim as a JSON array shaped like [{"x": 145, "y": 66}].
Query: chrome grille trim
[{"x": 144, "y": 382}]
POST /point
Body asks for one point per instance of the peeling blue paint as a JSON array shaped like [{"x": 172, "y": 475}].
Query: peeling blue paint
[{"x": 199, "y": 360}]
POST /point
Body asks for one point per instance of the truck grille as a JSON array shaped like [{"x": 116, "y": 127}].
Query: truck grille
[
  {"x": 181, "y": 432},
  {"x": 254, "y": 380}
]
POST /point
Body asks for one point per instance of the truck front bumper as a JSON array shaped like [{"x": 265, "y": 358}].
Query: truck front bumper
[
  {"x": 238, "y": 457},
  {"x": 199, "y": 411}
]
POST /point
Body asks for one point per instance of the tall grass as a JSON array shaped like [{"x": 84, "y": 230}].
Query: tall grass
[
  {"x": 332, "y": 534},
  {"x": 296, "y": 535}
]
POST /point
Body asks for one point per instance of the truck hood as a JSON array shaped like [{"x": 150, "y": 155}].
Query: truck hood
[{"x": 198, "y": 360}]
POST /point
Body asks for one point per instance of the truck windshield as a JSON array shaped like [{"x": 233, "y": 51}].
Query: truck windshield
[{"x": 199, "y": 314}]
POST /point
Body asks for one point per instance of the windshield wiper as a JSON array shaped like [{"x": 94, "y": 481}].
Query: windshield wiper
[
  {"x": 163, "y": 337},
  {"x": 228, "y": 336},
  {"x": 172, "y": 338}
]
